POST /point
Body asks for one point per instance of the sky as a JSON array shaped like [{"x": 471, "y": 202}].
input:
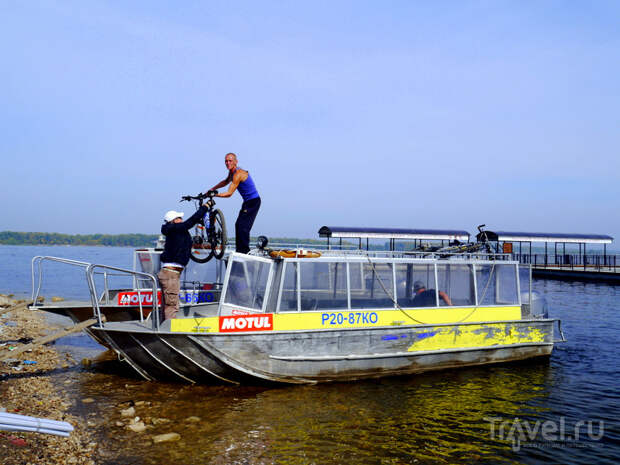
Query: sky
[{"x": 404, "y": 114}]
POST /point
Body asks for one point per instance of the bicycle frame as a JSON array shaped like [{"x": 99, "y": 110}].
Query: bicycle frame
[{"x": 206, "y": 229}]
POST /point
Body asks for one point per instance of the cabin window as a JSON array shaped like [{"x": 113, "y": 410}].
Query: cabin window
[
  {"x": 415, "y": 285},
  {"x": 377, "y": 278},
  {"x": 485, "y": 279},
  {"x": 497, "y": 284},
  {"x": 457, "y": 282},
  {"x": 507, "y": 283},
  {"x": 323, "y": 285},
  {"x": 247, "y": 283},
  {"x": 525, "y": 283},
  {"x": 314, "y": 275},
  {"x": 288, "y": 301},
  {"x": 356, "y": 277}
]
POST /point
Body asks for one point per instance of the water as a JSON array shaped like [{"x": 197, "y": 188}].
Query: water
[
  {"x": 62, "y": 280},
  {"x": 456, "y": 416}
]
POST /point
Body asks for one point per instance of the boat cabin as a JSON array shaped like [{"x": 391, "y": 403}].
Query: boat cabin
[{"x": 351, "y": 281}]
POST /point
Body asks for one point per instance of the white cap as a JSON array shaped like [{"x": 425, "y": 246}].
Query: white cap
[{"x": 171, "y": 215}]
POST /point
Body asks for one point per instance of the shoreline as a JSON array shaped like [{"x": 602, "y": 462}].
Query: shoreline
[
  {"x": 74, "y": 245},
  {"x": 28, "y": 389}
]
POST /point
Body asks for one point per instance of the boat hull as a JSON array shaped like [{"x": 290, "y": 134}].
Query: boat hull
[{"x": 325, "y": 355}]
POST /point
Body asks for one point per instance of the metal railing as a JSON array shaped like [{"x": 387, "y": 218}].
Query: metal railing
[
  {"x": 37, "y": 262},
  {"x": 185, "y": 283},
  {"x": 576, "y": 262},
  {"x": 435, "y": 255},
  {"x": 90, "y": 273}
]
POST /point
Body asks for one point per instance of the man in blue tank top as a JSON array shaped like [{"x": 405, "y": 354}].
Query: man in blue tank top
[{"x": 239, "y": 179}]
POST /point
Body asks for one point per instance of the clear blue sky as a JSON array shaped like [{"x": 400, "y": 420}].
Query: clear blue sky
[{"x": 438, "y": 114}]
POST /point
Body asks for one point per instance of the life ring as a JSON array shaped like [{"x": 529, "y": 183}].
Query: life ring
[
  {"x": 309, "y": 254},
  {"x": 282, "y": 254},
  {"x": 294, "y": 254}
]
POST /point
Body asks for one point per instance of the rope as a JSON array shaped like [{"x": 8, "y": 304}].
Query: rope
[
  {"x": 484, "y": 292},
  {"x": 389, "y": 294}
]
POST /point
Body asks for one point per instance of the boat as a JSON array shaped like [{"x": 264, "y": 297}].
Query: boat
[{"x": 342, "y": 315}]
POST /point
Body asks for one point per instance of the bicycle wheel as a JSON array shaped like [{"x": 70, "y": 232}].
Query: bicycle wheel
[
  {"x": 201, "y": 251},
  {"x": 219, "y": 238}
]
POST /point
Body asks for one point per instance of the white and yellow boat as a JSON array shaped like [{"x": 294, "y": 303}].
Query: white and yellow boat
[{"x": 340, "y": 316}]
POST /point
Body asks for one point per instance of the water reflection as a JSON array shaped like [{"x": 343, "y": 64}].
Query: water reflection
[{"x": 431, "y": 418}]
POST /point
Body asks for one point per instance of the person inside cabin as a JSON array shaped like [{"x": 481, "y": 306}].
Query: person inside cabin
[
  {"x": 240, "y": 179},
  {"x": 426, "y": 297},
  {"x": 175, "y": 256}
]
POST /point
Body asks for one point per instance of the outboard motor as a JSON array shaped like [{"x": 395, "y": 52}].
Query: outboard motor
[{"x": 538, "y": 309}]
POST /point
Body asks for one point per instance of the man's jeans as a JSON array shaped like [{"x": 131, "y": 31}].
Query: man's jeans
[{"x": 245, "y": 220}]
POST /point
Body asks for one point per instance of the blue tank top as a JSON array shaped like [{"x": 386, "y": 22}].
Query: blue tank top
[{"x": 247, "y": 189}]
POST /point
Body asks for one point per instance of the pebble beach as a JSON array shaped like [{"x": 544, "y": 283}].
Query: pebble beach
[
  {"x": 47, "y": 382},
  {"x": 26, "y": 389}
]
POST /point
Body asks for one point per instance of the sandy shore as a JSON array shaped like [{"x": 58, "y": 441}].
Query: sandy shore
[{"x": 26, "y": 389}]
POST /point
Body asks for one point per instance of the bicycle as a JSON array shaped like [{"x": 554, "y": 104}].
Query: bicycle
[{"x": 209, "y": 239}]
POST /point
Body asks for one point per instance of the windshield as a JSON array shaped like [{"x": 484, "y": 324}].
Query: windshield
[{"x": 247, "y": 283}]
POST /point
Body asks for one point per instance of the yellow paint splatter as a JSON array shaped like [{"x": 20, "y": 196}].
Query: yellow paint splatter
[{"x": 483, "y": 335}]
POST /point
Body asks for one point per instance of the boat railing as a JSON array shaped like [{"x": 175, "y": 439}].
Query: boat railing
[
  {"x": 148, "y": 260},
  {"x": 90, "y": 271},
  {"x": 436, "y": 255},
  {"x": 90, "y": 276},
  {"x": 356, "y": 252},
  {"x": 573, "y": 262},
  {"x": 310, "y": 245},
  {"x": 37, "y": 276}
]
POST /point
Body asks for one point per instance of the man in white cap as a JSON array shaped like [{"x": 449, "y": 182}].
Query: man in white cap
[{"x": 175, "y": 256}]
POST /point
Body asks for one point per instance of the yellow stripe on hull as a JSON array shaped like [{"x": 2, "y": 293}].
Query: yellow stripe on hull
[{"x": 317, "y": 320}]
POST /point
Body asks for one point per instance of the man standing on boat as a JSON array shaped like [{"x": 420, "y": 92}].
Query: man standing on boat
[
  {"x": 240, "y": 179},
  {"x": 176, "y": 256}
]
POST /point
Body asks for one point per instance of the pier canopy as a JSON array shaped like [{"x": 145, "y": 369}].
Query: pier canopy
[
  {"x": 510, "y": 236},
  {"x": 394, "y": 233},
  {"x": 504, "y": 241}
]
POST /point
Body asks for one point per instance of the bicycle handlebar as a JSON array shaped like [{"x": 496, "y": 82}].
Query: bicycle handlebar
[{"x": 200, "y": 196}]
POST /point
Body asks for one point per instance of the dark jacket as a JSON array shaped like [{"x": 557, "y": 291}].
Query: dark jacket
[
  {"x": 178, "y": 240},
  {"x": 425, "y": 298}
]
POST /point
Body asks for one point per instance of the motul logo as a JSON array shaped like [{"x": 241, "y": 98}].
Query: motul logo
[
  {"x": 246, "y": 323},
  {"x": 131, "y": 298}
]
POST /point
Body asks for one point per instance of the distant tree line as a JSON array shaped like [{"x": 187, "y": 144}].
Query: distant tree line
[
  {"x": 118, "y": 240},
  {"x": 144, "y": 240},
  {"x": 41, "y": 238}
]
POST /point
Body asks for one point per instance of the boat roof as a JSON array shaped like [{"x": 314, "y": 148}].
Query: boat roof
[
  {"x": 503, "y": 236},
  {"x": 393, "y": 233}
]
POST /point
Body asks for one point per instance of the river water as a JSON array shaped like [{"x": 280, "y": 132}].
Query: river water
[{"x": 470, "y": 415}]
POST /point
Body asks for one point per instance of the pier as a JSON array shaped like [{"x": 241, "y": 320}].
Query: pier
[
  {"x": 571, "y": 257},
  {"x": 565, "y": 256}
]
